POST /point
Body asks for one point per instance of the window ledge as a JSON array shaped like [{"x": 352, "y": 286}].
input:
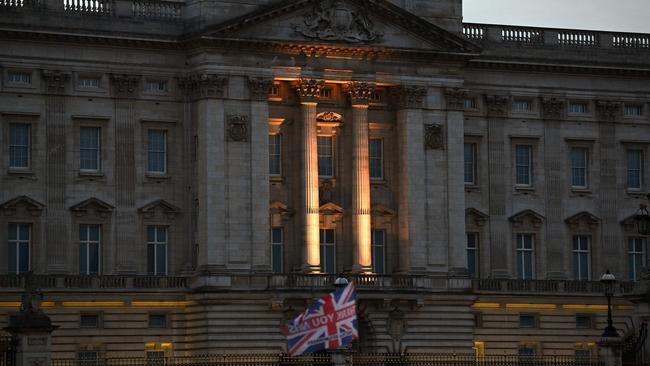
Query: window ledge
[
  {"x": 95, "y": 174},
  {"x": 276, "y": 179},
  {"x": 21, "y": 172},
  {"x": 636, "y": 192},
  {"x": 157, "y": 177},
  {"x": 581, "y": 191},
  {"x": 377, "y": 181},
  {"x": 525, "y": 188},
  {"x": 472, "y": 188}
]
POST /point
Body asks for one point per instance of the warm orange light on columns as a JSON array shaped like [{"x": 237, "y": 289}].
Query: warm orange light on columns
[{"x": 308, "y": 91}]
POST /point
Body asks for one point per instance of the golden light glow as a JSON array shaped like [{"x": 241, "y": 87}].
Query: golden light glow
[
  {"x": 313, "y": 239},
  {"x": 47, "y": 304},
  {"x": 9, "y": 304},
  {"x": 532, "y": 306},
  {"x": 91, "y": 304},
  {"x": 166, "y": 345},
  {"x": 486, "y": 305},
  {"x": 625, "y": 307},
  {"x": 162, "y": 303},
  {"x": 150, "y": 345},
  {"x": 479, "y": 348},
  {"x": 585, "y": 307},
  {"x": 365, "y": 249}
]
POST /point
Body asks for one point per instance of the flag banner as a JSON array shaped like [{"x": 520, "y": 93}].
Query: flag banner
[{"x": 329, "y": 323}]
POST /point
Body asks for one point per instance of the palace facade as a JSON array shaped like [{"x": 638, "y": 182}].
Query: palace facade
[{"x": 184, "y": 176}]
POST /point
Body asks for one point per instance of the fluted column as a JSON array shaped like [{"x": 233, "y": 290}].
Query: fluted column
[
  {"x": 361, "y": 227},
  {"x": 308, "y": 90}
]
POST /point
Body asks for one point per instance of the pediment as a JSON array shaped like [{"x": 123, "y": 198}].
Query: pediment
[
  {"x": 583, "y": 219},
  {"x": 475, "y": 217},
  {"x": 629, "y": 223},
  {"x": 331, "y": 208},
  {"x": 381, "y": 210},
  {"x": 346, "y": 23},
  {"x": 527, "y": 217},
  {"x": 159, "y": 207},
  {"x": 29, "y": 205},
  {"x": 99, "y": 207}
]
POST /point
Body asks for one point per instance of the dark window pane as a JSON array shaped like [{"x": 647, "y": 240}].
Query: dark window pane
[
  {"x": 151, "y": 259},
  {"x": 89, "y": 321},
  {"x": 157, "y": 321},
  {"x": 161, "y": 259},
  {"x": 93, "y": 256},
  {"x": 23, "y": 264},
  {"x": 83, "y": 258}
]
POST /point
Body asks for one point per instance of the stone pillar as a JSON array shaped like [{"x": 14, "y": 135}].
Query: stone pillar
[
  {"x": 610, "y": 351},
  {"x": 457, "y": 253},
  {"x": 261, "y": 253},
  {"x": 308, "y": 91},
  {"x": 411, "y": 199},
  {"x": 554, "y": 169},
  {"x": 361, "y": 227},
  {"x": 499, "y": 231},
  {"x": 206, "y": 91},
  {"x": 55, "y": 84}
]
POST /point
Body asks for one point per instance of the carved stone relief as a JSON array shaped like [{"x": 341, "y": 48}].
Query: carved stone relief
[
  {"x": 497, "y": 105},
  {"x": 237, "y": 127},
  {"x": 309, "y": 88},
  {"x": 335, "y": 21},
  {"x": 607, "y": 110},
  {"x": 197, "y": 86},
  {"x": 329, "y": 117},
  {"x": 552, "y": 107},
  {"x": 433, "y": 137},
  {"x": 410, "y": 96},
  {"x": 55, "y": 81},
  {"x": 260, "y": 88},
  {"x": 360, "y": 92},
  {"x": 125, "y": 86},
  {"x": 455, "y": 99}
]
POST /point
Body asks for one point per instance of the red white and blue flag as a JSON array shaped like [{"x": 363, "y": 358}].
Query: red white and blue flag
[{"x": 329, "y": 323}]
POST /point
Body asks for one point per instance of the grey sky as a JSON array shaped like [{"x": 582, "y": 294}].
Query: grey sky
[{"x": 612, "y": 15}]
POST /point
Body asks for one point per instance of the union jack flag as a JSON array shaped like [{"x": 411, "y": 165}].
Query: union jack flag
[{"x": 329, "y": 323}]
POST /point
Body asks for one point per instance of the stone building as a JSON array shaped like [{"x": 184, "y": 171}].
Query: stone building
[{"x": 185, "y": 176}]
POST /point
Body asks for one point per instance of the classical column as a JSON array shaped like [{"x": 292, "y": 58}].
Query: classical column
[
  {"x": 411, "y": 197},
  {"x": 308, "y": 91},
  {"x": 359, "y": 95}
]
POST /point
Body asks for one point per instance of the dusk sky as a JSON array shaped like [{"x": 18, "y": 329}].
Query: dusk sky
[{"x": 611, "y": 15}]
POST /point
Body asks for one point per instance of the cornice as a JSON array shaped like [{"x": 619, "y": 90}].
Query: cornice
[{"x": 530, "y": 66}]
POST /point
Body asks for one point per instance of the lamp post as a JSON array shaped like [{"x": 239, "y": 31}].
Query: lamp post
[
  {"x": 340, "y": 282},
  {"x": 608, "y": 280},
  {"x": 642, "y": 218}
]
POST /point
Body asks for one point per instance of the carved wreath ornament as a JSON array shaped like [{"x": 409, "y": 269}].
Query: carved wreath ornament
[
  {"x": 237, "y": 127},
  {"x": 334, "y": 21}
]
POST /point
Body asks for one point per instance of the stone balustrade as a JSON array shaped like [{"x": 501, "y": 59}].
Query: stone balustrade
[
  {"x": 320, "y": 282},
  {"x": 567, "y": 38},
  {"x": 139, "y": 9}
]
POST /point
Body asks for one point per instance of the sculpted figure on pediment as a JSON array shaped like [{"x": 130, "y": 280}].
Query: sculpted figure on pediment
[{"x": 334, "y": 21}]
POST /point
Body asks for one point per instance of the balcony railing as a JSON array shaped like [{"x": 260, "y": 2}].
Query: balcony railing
[
  {"x": 319, "y": 282},
  {"x": 566, "y": 38}
]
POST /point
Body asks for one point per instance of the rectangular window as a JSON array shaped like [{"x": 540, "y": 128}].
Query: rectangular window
[
  {"x": 275, "y": 155},
  {"x": 19, "y": 77},
  {"x": 326, "y": 93},
  {"x": 377, "y": 96},
  {"x": 326, "y": 156},
  {"x": 583, "y": 322},
  {"x": 472, "y": 254},
  {"x": 88, "y": 82},
  {"x": 155, "y": 86},
  {"x": 376, "y": 158},
  {"x": 89, "y": 249},
  {"x": 634, "y": 169},
  {"x": 275, "y": 90},
  {"x": 633, "y": 110},
  {"x": 525, "y": 257},
  {"x": 579, "y": 161},
  {"x": 19, "y": 244},
  {"x": 378, "y": 242},
  {"x": 636, "y": 249},
  {"x": 276, "y": 249},
  {"x": 157, "y": 151},
  {"x": 581, "y": 258},
  {"x": 523, "y": 164},
  {"x": 470, "y": 103},
  {"x": 89, "y": 321},
  {"x": 578, "y": 108},
  {"x": 522, "y": 105},
  {"x": 19, "y": 149},
  {"x": 89, "y": 148},
  {"x": 157, "y": 250},
  {"x": 157, "y": 320},
  {"x": 527, "y": 321},
  {"x": 327, "y": 251},
  {"x": 470, "y": 163}
]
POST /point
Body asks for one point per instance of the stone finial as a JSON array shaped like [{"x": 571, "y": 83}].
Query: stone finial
[
  {"x": 203, "y": 85},
  {"x": 411, "y": 96},
  {"x": 455, "y": 99},
  {"x": 237, "y": 127},
  {"x": 125, "y": 86},
  {"x": 607, "y": 110},
  {"x": 433, "y": 137},
  {"x": 552, "y": 107},
  {"x": 360, "y": 92},
  {"x": 55, "y": 81},
  {"x": 497, "y": 105},
  {"x": 260, "y": 88},
  {"x": 309, "y": 89}
]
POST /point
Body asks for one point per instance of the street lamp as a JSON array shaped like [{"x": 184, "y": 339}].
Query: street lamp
[
  {"x": 340, "y": 282},
  {"x": 642, "y": 218},
  {"x": 608, "y": 280}
]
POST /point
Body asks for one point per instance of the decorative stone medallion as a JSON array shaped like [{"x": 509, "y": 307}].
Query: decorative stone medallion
[
  {"x": 433, "y": 138},
  {"x": 335, "y": 21},
  {"x": 237, "y": 127},
  {"x": 329, "y": 117},
  {"x": 552, "y": 107}
]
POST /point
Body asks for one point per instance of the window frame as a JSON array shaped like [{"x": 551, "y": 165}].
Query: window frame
[
  {"x": 164, "y": 152},
  {"x": 474, "y": 167},
  {"x": 322, "y": 247},
  {"x": 155, "y": 91},
  {"x": 640, "y": 169},
  {"x": 277, "y": 154},
  {"x": 529, "y": 165},
  {"x": 164, "y": 314},
  {"x": 17, "y": 242},
  {"x": 533, "y": 316},
  {"x": 585, "y": 169},
  {"x": 576, "y": 250},
  {"x": 281, "y": 245},
  {"x": 475, "y": 249},
  {"x": 584, "y": 113},
  {"x": 378, "y": 247},
  {"x": 521, "y": 262},
  {"x": 19, "y": 84},
  {"x": 637, "y": 106},
  {"x": 98, "y": 149},
  {"x": 156, "y": 243},
  {"x": 332, "y": 156},
  {"x": 88, "y": 243},
  {"x": 379, "y": 158},
  {"x": 516, "y": 101},
  {"x": 633, "y": 253},
  {"x": 28, "y": 147}
]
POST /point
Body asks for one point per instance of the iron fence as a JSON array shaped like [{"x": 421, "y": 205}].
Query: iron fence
[{"x": 326, "y": 360}]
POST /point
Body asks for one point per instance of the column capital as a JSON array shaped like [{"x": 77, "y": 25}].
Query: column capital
[
  {"x": 360, "y": 92},
  {"x": 607, "y": 110},
  {"x": 455, "y": 99},
  {"x": 410, "y": 96},
  {"x": 497, "y": 105},
  {"x": 309, "y": 89},
  {"x": 203, "y": 85},
  {"x": 125, "y": 86},
  {"x": 55, "y": 81},
  {"x": 260, "y": 88},
  {"x": 552, "y": 107}
]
